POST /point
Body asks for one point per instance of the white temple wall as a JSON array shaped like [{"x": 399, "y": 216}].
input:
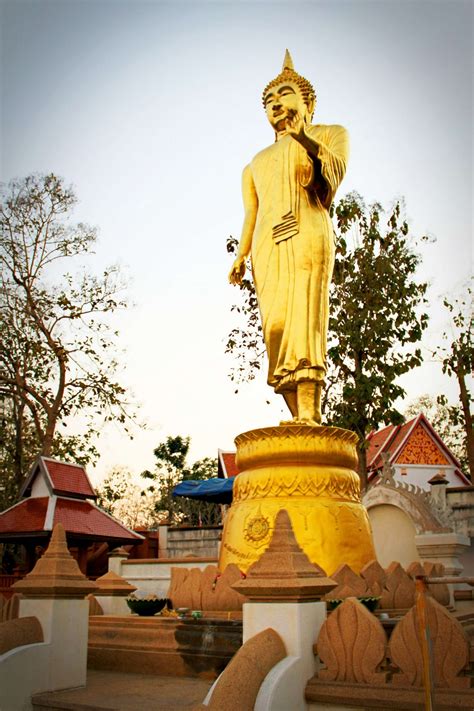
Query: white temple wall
[
  {"x": 394, "y": 535},
  {"x": 420, "y": 475}
]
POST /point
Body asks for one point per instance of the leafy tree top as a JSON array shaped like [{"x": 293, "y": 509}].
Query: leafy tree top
[{"x": 57, "y": 347}]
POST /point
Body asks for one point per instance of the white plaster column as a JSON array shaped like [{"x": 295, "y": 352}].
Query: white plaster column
[
  {"x": 65, "y": 627},
  {"x": 445, "y": 548},
  {"x": 163, "y": 540},
  {"x": 285, "y": 590},
  {"x": 297, "y": 623},
  {"x": 116, "y": 558},
  {"x": 54, "y": 592}
]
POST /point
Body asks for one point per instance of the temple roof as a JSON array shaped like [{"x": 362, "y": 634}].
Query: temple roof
[
  {"x": 413, "y": 443},
  {"x": 226, "y": 466},
  {"x": 58, "y": 492},
  {"x": 37, "y": 516},
  {"x": 61, "y": 478}
]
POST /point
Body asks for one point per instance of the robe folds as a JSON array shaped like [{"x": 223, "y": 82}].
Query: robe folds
[{"x": 293, "y": 251}]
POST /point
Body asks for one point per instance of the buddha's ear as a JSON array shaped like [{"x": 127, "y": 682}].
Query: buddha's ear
[{"x": 310, "y": 109}]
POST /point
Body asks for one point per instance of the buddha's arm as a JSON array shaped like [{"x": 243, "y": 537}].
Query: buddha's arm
[
  {"x": 249, "y": 195},
  {"x": 328, "y": 148}
]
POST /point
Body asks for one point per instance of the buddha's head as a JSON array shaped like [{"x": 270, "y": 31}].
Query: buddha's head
[{"x": 287, "y": 94}]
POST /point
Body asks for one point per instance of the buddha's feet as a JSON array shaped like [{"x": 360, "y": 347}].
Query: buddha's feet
[{"x": 301, "y": 421}]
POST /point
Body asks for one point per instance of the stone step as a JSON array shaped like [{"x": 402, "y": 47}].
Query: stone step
[
  {"x": 113, "y": 691},
  {"x": 163, "y": 646}
]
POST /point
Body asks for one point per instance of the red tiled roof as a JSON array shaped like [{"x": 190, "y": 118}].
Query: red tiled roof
[
  {"x": 386, "y": 441},
  {"x": 83, "y": 517},
  {"x": 60, "y": 478},
  {"x": 25, "y": 517},
  {"x": 80, "y": 518},
  {"x": 228, "y": 463},
  {"x": 68, "y": 478},
  {"x": 377, "y": 442}
]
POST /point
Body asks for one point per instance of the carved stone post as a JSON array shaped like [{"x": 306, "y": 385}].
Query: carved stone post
[
  {"x": 54, "y": 592},
  {"x": 111, "y": 593},
  {"x": 116, "y": 558},
  {"x": 285, "y": 590},
  {"x": 163, "y": 540}
]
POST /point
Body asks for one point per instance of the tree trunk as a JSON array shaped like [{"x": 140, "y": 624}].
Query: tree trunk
[
  {"x": 18, "y": 453},
  {"x": 48, "y": 440},
  {"x": 362, "y": 468},
  {"x": 466, "y": 406}
]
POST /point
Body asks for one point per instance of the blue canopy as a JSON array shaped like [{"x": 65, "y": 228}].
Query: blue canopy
[{"x": 216, "y": 490}]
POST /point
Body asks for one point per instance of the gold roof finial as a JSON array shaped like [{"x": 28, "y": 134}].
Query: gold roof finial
[{"x": 287, "y": 62}]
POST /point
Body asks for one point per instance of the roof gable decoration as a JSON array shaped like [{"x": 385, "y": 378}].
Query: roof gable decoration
[
  {"x": 422, "y": 441},
  {"x": 421, "y": 449},
  {"x": 60, "y": 478},
  {"x": 226, "y": 464},
  {"x": 414, "y": 443}
]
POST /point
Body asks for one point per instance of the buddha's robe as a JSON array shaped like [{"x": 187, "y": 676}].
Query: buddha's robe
[{"x": 293, "y": 251}]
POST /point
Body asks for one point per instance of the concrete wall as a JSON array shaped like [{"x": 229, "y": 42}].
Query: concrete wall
[
  {"x": 394, "y": 535},
  {"x": 461, "y": 501},
  {"x": 198, "y": 542},
  {"x": 154, "y": 575},
  {"x": 467, "y": 560}
]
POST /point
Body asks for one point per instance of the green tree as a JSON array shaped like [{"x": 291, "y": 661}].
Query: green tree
[
  {"x": 457, "y": 358},
  {"x": 447, "y": 421},
  {"x": 374, "y": 320},
  {"x": 17, "y": 440},
  {"x": 57, "y": 344},
  {"x": 170, "y": 469}
]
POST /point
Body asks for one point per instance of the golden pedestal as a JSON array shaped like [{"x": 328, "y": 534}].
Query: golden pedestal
[{"x": 310, "y": 472}]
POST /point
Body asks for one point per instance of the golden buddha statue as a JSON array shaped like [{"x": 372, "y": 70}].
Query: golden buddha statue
[
  {"x": 300, "y": 466},
  {"x": 287, "y": 191}
]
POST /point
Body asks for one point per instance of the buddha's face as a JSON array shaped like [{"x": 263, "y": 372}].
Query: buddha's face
[{"x": 282, "y": 102}]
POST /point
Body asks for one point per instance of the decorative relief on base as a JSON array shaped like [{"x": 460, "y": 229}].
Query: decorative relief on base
[
  {"x": 268, "y": 482},
  {"x": 257, "y": 530},
  {"x": 352, "y": 645},
  {"x": 330, "y": 445}
]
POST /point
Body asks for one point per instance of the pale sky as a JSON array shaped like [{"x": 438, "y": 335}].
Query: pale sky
[{"x": 152, "y": 109}]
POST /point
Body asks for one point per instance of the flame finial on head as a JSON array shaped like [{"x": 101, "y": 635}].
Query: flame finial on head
[{"x": 287, "y": 62}]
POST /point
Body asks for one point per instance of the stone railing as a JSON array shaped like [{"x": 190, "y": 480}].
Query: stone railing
[
  {"x": 363, "y": 669},
  {"x": 206, "y": 590},
  {"x": 19, "y": 632},
  {"x": 395, "y": 586}
]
